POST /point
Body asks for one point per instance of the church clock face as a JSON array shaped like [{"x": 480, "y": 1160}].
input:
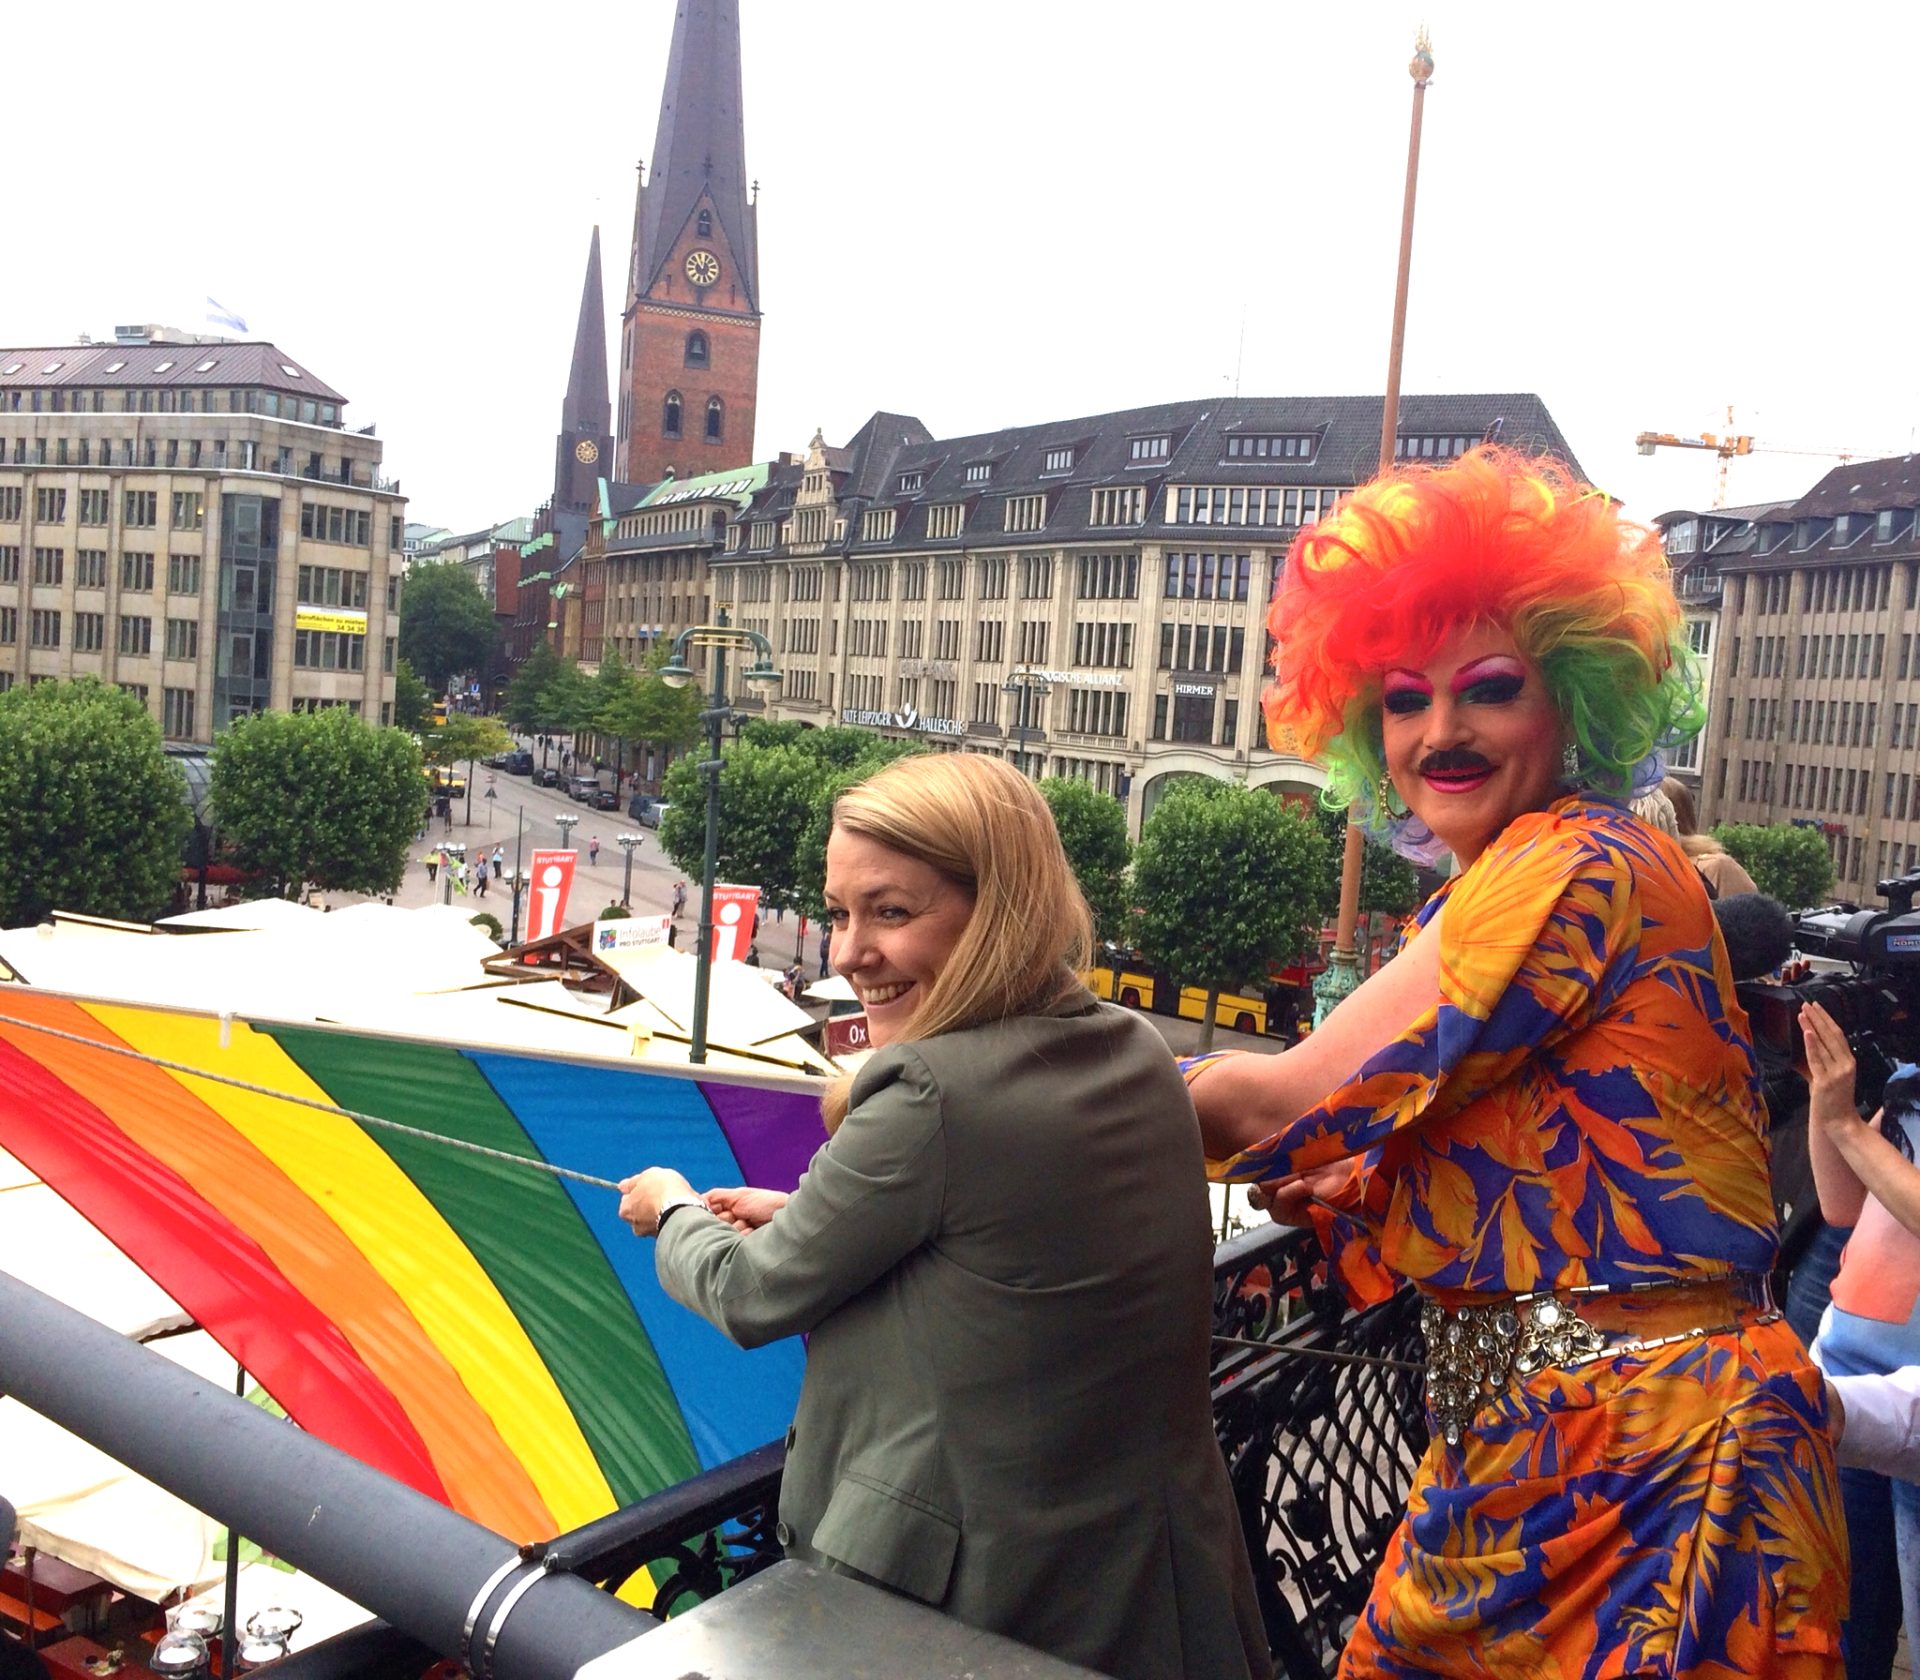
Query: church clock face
[
  {"x": 703, "y": 267},
  {"x": 586, "y": 452}
]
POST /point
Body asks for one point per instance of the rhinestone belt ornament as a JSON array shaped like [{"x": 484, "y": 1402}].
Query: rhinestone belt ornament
[{"x": 1474, "y": 1352}]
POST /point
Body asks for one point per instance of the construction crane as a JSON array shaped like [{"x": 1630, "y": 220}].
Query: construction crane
[{"x": 1729, "y": 444}]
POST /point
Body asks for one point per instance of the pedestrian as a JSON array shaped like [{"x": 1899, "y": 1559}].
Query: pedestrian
[
  {"x": 480, "y": 878},
  {"x": 679, "y": 898},
  {"x": 593, "y": 849},
  {"x": 826, "y": 942},
  {"x": 499, "y": 861},
  {"x": 779, "y": 911},
  {"x": 432, "y": 861}
]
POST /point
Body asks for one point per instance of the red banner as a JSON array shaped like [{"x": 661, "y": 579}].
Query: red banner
[
  {"x": 734, "y": 910},
  {"x": 847, "y": 1033},
  {"x": 547, "y": 896}
]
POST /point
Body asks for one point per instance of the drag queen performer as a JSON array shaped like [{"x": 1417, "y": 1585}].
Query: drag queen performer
[{"x": 1550, "y": 1106}]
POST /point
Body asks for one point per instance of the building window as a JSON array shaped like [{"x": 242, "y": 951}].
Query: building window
[
  {"x": 1124, "y": 506},
  {"x": 945, "y": 520},
  {"x": 696, "y": 349},
  {"x": 43, "y": 628},
  {"x": 136, "y": 571},
  {"x": 94, "y": 507},
  {"x": 322, "y": 523},
  {"x": 1270, "y": 448},
  {"x": 670, "y": 415},
  {"x": 10, "y": 502},
  {"x": 1156, "y": 448},
  {"x": 176, "y": 713},
  {"x": 136, "y": 635},
  {"x": 1026, "y": 513},
  {"x": 50, "y": 505},
  {"x": 189, "y": 510},
  {"x": 89, "y": 632},
  {"x": 1058, "y": 461},
  {"x": 716, "y": 419},
  {"x": 979, "y": 472},
  {"x": 90, "y": 568},
  {"x": 183, "y": 638},
  {"x": 909, "y": 482},
  {"x": 49, "y": 565},
  {"x": 706, "y": 224},
  {"x": 143, "y": 508},
  {"x": 183, "y": 574}
]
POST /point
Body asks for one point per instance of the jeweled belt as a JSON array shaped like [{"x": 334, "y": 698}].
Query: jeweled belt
[{"x": 1476, "y": 1352}]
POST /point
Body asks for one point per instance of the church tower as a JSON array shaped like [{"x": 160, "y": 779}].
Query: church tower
[
  {"x": 690, "y": 339},
  {"x": 581, "y": 451}
]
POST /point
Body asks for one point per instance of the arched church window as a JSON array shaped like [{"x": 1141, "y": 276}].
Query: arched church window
[
  {"x": 696, "y": 349},
  {"x": 716, "y": 416},
  {"x": 706, "y": 224},
  {"x": 670, "y": 415}
]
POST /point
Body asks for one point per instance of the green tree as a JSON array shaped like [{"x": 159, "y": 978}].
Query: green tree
[
  {"x": 1229, "y": 881},
  {"x": 92, "y": 814},
  {"x": 567, "y": 701},
  {"x": 1786, "y": 861},
  {"x": 412, "y": 704},
  {"x": 466, "y": 738},
  {"x": 1389, "y": 885},
  {"x": 1093, "y": 829},
  {"x": 610, "y": 688},
  {"x": 319, "y": 798},
  {"x": 447, "y": 626},
  {"x": 768, "y": 797},
  {"x": 525, "y": 700}
]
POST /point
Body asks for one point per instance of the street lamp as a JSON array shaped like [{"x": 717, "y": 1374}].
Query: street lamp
[
  {"x": 454, "y": 851},
  {"x": 1030, "y": 686},
  {"x": 677, "y": 673},
  {"x": 628, "y": 843},
  {"x": 566, "y": 829}
]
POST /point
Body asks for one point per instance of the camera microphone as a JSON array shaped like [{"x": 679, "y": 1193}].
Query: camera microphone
[{"x": 1758, "y": 933}]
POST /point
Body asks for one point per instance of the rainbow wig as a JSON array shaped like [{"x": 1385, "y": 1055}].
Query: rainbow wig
[{"x": 1495, "y": 537}]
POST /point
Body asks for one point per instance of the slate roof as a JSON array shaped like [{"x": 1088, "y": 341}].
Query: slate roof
[
  {"x": 118, "y": 366},
  {"x": 1345, "y": 430},
  {"x": 1861, "y": 487}
]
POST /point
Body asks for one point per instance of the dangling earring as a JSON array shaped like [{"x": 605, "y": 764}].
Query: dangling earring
[
  {"x": 1383, "y": 798},
  {"x": 1570, "y": 764}
]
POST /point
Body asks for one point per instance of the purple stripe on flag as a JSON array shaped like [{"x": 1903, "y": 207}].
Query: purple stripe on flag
[{"x": 773, "y": 1134}]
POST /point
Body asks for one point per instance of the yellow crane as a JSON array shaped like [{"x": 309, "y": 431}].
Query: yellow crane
[{"x": 1729, "y": 444}]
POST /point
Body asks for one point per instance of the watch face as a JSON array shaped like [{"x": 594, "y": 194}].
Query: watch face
[
  {"x": 703, "y": 267},
  {"x": 586, "y": 451}
]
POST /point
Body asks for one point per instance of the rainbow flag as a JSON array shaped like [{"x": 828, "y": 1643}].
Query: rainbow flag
[{"x": 480, "y": 1329}]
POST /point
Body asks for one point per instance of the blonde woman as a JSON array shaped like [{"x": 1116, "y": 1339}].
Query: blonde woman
[
  {"x": 1001, "y": 1259},
  {"x": 1718, "y": 867}
]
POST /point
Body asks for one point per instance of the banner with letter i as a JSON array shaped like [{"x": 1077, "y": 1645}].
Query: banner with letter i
[{"x": 547, "y": 896}]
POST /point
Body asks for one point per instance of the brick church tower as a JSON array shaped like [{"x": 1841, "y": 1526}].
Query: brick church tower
[{"x": 690, "y": 338}]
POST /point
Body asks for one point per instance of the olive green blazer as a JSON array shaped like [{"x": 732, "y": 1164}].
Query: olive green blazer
[{"x": 1004, "y": 1262}]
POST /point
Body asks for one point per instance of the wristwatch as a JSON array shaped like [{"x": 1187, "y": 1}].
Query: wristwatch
[{"x": 673, "y": 1205}]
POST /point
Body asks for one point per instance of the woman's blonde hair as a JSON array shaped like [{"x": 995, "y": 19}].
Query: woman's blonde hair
[
  {"x": 1692, "y": 841},
  {"x": 986, "y": 828}
]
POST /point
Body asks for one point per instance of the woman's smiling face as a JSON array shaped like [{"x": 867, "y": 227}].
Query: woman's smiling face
[
  {"x": 1472, "y": 738},
  {"x": 895, "y": 921}
]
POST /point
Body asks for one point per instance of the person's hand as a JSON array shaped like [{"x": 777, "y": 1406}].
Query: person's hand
[
  {"x": 1286, "y": 1200},
  {"x": 642, "y": 1196},
  {"x": 1830, "y": 1071},
  {"x": 745, "y": 1208}
]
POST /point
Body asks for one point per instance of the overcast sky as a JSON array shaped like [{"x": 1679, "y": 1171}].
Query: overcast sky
[{"x": 1010, "y": 211}]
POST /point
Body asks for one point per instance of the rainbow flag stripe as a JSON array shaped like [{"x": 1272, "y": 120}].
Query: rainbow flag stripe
[{"x": 488, "y": 1333}]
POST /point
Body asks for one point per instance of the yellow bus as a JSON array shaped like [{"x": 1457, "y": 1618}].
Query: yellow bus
[
  {"x": 1277, "y": 1009},
  {"x": 449, "y": 782}
]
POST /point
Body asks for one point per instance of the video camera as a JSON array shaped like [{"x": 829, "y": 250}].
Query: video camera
[{"x": 1875, "y": 1000}]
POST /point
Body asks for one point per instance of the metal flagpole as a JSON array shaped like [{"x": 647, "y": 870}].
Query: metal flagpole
[
  {"x": 519, "y": 828},
  {"x": 1342, "y": 973}
]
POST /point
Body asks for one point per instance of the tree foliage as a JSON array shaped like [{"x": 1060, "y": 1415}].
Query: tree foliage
[
  {"x": 1389, "y": 884},
  {"x": 1230, "y": 881},
  {"x": 1786, "y": 861},
  {"x": 318, "y": 798},
  {"x": 649, "y": 709},
  {"x": 525, "y": 697},
  {"x": 447, "y": 626},
  {"x": 92, "y": 815},
  {"x": 412, "y": 704},
  {"x": 1093, "y": 830}
]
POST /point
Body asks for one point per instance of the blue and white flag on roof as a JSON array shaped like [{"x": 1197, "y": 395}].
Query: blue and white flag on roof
[{"x": 219, "y": 315}]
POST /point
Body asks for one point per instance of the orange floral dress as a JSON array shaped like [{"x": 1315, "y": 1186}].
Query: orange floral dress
[{"x": 1581, "y": 1107}]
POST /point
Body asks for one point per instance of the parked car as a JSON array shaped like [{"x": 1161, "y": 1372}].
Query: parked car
[
  {"x": 546, "y": 776},
  {"x": 518, "y": 763},
  {"x": 582, "y": 788},
  {"x": 637, "y": 806},
  {"x": 605, "y": 799},
  {"x": 654, "y": 814}
]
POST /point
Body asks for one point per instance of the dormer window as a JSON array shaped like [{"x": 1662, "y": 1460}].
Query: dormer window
[
  {"x": 1059, "y": 460},
  {"x": 911, "y": 481},
  {"x": 1155, "y": 448},
  {"x": 979, "y": 472}
]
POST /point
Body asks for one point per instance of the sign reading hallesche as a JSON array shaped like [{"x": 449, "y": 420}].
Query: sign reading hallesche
[{"x": 905, "y": 718}]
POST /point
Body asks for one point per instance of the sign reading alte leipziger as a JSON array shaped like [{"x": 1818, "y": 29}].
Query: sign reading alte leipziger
[{"x": 905, "y": 718}]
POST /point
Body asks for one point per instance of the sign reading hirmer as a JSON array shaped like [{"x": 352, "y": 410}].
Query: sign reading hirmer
[
  {"x": 906, "y": 718},
  {"x": 1195, "y": 688}
]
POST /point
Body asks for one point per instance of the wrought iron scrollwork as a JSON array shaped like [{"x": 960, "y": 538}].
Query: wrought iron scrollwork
[{"x": 1320, "y": 1451}]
